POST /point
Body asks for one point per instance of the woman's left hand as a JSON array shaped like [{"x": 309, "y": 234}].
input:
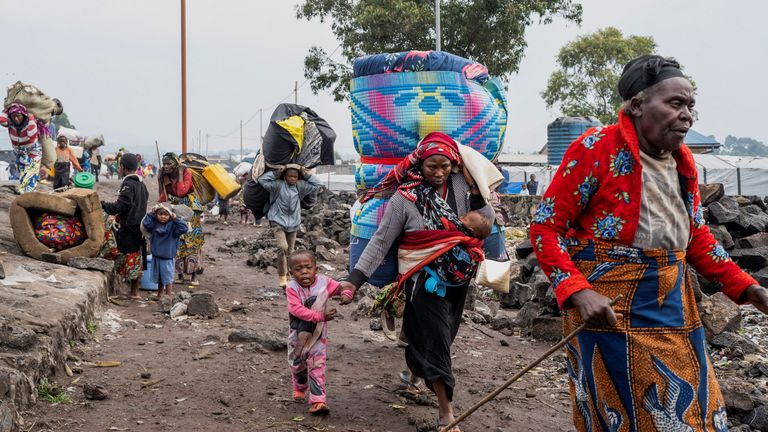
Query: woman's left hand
[
  {"x": 347, "y": 286},
  {"x": 758, "y": 297}
]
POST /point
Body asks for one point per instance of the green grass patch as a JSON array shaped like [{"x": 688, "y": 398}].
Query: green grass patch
[
  {"x": 92, "y": 327},
  {"x": 50, "y": 392}
]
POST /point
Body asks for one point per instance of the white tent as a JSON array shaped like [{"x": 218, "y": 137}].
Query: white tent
[
  {"x": 740, "y": 175},
  {"x": 514, "y": 176}
]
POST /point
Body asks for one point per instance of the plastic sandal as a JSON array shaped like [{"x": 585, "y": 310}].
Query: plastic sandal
[{"x": 319, "y": 408}]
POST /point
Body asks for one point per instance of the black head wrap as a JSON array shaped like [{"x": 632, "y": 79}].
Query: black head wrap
[
  {"x": 129, "y": 162},
  {"x": 645, "y": 71}
]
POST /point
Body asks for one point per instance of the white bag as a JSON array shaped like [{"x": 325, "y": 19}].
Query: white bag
[{"x": 494, "y": 274}]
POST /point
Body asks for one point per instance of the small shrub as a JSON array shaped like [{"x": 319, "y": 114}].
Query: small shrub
[{"x": 50, "y": 392}]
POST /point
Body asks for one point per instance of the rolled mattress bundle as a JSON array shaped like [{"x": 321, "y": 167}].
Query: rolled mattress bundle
[{"x": 391, "y": 112}]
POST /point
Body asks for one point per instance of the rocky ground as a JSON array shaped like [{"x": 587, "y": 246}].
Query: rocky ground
[
  {"x": 228, "y": 372},
  {"x": 214, "y": 358}
]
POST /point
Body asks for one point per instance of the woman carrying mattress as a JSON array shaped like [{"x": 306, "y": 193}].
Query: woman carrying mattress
[{"x": 430, "y": 191}]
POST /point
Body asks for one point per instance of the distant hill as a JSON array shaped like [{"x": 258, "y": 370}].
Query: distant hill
[{"x": 742, "y": 146}]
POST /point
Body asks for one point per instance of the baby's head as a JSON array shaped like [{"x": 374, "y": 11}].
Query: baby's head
[
  {"x": 477, "y": 224},
  {"x": 303, "y": 266}
]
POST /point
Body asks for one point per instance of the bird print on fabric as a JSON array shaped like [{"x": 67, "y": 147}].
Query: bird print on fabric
[
  {"x": 668, "y": 414},
  {"x": 576, "y": 373},
  {"x": 614, "y": 417},
  {"x": 720, "y": 419}
]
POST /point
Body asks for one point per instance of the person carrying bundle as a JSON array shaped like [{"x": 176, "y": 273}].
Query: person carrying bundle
[
  {"x": 176, "y": 188},
  {"x": 24, "y": 132},
  {"x": 287, "y": 187},
  {"x": 431, "y": 189}
]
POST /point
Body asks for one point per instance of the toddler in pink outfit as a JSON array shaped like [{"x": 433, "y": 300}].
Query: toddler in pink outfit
[{"x": 307, "y": 296}]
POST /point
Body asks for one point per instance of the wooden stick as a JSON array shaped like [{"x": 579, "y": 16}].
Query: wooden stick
[{"x": 517, "y": 376}]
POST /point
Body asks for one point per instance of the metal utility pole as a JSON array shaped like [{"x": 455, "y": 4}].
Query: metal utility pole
[
  {"x": 296, "y": 92},
  {"x": 183, "y": 76},
  {"x": 438, "y": 35},
  {"x": 241, "y": 140}
]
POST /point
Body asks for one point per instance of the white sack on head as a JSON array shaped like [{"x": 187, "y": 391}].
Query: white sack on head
[
  {"x": 242, "y": 168},
  {"x": 71, "y": 134},
  {"x": 93, "y": 142},
  {"x": 486, "y": 176}
]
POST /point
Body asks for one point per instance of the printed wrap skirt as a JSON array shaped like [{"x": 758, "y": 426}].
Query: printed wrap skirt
[{"x": 652, "y": 371}]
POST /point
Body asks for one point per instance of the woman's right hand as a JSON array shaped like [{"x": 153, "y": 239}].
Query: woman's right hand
[{"x": 595, "y": 309}]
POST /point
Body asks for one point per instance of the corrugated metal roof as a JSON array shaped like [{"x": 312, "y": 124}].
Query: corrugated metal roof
[{"x": 696, "y": 139}]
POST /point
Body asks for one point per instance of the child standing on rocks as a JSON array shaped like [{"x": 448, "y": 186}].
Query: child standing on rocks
[
  {"x": 287, "y": 188},
  {"x": 307, "y": 295},
  {"x": 165, "y": 231}
]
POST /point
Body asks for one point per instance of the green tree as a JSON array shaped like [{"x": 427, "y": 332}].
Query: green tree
[
  {"x": 62, "y": 120},
  {"x": 588, "y": 72},
  {"x": 491, "y": 32},
  {"x": 742, "y": 146}
]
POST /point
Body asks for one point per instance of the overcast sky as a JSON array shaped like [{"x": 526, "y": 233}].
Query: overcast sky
[{"x": 116, "y": 65}]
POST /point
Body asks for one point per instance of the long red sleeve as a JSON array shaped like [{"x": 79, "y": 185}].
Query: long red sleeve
[
  {"x": 556, "y": 214},
  {"x": 709, "y": 258},
  {"x": 179, "y": 188}
]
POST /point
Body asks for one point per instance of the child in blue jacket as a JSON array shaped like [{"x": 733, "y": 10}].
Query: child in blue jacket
[{"x": 165, "y": 230}]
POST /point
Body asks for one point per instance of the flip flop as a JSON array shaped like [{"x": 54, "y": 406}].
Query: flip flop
[
  {"x": 442, "y": 426},
  {"x": 319, "y": 409},
  {"x": 415, "y": 388}
]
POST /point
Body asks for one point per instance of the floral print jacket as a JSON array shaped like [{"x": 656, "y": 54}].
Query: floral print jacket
[{"x": 595, "y": 194}]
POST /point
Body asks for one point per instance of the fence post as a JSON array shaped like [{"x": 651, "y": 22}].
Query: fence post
[{"x": 738, "y": 180}]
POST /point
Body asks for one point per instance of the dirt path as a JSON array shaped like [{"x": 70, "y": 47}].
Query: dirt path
[{"x": 243, "y": 387}]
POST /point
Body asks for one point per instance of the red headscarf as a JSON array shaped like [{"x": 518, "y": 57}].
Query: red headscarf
[{"x": 407, "y": 174}]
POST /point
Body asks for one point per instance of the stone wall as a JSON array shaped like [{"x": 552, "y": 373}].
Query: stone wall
[{"x": 42, "y": 308}]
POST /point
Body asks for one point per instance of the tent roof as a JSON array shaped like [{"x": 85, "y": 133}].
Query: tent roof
[{"x": 711, "y": 161}]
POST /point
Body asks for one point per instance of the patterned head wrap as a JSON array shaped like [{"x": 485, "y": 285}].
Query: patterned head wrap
[
  {"x": 17, "y": 108},
  {"x": 407, "y": 174},
  {"x": 645, "y": 71}
]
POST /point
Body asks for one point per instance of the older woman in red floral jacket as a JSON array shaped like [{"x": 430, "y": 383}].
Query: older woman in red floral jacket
[{"x": 623, "y": 216}]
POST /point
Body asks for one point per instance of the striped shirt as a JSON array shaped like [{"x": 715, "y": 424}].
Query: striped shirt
[{"x": 28, "y": 135}]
